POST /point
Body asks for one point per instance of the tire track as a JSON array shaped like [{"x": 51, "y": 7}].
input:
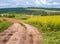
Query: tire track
[
  {"x": 33, "y": 36},
  {"x": 18, "y": 37},
  {"x": 17, "y": 34}
]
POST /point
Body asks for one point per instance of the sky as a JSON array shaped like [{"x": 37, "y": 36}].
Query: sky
[{"x": 30, "y": 3}]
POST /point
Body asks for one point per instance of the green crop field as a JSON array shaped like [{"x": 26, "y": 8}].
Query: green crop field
[{"x": 49, "y": 25}]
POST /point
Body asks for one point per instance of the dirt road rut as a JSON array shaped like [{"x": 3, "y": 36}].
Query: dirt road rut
[{"x": 17, "y": 34}]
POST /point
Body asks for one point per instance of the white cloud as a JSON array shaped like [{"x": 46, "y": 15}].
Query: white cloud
[
  {"x": 4, "y": 4},
  {"x": 45, "y": 2},
  {"x": 40, "y": 2},
  {"x": 17, "y": 3},
  {"x": 55, "y": 3},
  {"x": 27, "y": 3},
  {"x": 37, "y": 2}
]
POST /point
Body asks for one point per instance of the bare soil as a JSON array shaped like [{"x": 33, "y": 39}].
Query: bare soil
[{"x": 17, "y": 34}]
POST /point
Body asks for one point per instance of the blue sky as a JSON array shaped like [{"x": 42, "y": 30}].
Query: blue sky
[{"x": 29, "y": 3}]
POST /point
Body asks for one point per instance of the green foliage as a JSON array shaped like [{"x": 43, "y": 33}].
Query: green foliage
[
  {"x": 34, "y": 11},
  {"x": 22, "y": 16},
  {"x": 18, "y": 16},
  {"x": 11, "y": 16},
  {"x": 8, "y": 15},
  {"x": 0, "y": 15},
  {"x": 51, "y": 38},
  {"x": 4, "y": 25}
]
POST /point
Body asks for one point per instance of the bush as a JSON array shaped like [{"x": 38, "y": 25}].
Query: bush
[
  {"x": 0, "y": 15},
  {"x": 11, "y": 16}
]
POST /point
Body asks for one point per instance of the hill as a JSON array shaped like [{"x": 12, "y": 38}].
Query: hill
[{"x": 31, "y": 10}]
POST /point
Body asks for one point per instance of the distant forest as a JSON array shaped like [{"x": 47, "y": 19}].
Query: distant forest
[
  {"x": 57, "y": 9},
  {"x": 29, "y": 12}
]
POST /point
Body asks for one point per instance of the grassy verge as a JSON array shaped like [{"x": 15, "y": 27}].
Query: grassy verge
[
  {"x": 4, "y": 25},
  {"x": 52, "y": 38},
  {"x": 50, "y": 25}
]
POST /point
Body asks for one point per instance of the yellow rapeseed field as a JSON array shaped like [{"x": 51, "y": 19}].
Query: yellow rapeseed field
[
  {"x": 45, "y": 19},
  {"x": 52, "y": 22}
]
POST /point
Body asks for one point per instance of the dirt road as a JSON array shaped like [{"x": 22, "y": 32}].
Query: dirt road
[
  {"x": 18, "y": 34},
  {"x": 7, "y": 34},
  {"x": 33, "y": 36}
]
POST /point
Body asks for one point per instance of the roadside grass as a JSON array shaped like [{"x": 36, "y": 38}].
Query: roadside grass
[
  {"x": 4, "y": 25},
  {"x": 50, "y": 26},
  {"x": 51, "y": 38}
]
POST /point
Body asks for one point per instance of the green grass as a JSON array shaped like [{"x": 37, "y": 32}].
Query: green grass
[
  {"x": 51, "y": 38},
  {"x": 4, "y": 25},
  {"x": 49, "y": 25},
  {"x": 22, "y": 16},
  {"x": 18, "y": 16}
]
